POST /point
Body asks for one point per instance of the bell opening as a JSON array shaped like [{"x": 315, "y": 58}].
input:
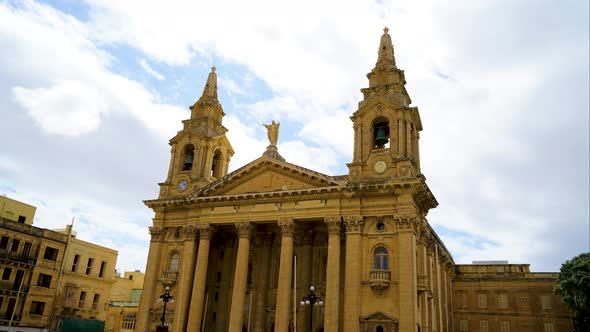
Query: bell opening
[
  {"x": 381, "y": 135},
  {"x": 189, "y": 156},
  {"x": 216, "y": 165}
]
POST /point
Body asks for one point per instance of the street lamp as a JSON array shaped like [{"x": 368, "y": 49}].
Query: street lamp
[
  {"x": 311, "y": 299},
  {"x": 166, "y": 297}
]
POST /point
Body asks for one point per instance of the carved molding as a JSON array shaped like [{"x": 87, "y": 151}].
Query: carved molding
[
  {"x": 353, "y": 224},
  {"x": 406, "y": 223},
  {"x": 334, "y": 224},
  {"x": 157, "y": 233},
  {"x": 244, "y": 229},
  {"x": 206, "y": 230},
  {"x": 189, "y": 232},
  {"x": 287, "y": 226}
]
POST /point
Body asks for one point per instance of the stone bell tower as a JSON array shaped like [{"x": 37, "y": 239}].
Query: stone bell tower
[
  {"x": 200, "y": 152},
  {"x": 386, "y": 128}
]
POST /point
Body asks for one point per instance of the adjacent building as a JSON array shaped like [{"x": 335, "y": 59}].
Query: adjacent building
[
  {"x": 124, "y": 302},
  {"x": 30, "y": 263},
  {"x": 87, "y": 278}
]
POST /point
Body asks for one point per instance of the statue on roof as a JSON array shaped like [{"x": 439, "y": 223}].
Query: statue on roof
[{"x": 273, "y": 132}]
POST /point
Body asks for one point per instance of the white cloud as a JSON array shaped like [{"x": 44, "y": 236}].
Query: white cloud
[{"x": 148, "y": 69}]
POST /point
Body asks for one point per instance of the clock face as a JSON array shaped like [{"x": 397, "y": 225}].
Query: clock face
[
  {"x": 380, "y": 166},
  {"x": 182, "y": 185}
]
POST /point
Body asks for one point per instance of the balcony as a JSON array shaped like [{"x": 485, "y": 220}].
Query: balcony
[
  {"x": 17, "y": 257},
  {"x": 168, "y": 277},
  {"x": 422, "y": 282},
  {"x": 380, "y": 279},
  {"x": 9, "y": 286}
]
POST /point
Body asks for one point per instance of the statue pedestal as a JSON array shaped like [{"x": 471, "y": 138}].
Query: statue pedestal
[{"x": 273, "y": 152}]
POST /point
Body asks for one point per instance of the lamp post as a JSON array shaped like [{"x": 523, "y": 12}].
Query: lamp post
[
  {"x": 166, "y": 297},
  {"x": 311, "y": 299}
]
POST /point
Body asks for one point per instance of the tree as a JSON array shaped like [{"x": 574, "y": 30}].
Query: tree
[{"x": 573, "y": 285}]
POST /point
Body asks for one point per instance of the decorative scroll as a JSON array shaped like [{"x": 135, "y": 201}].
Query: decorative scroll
[
  {"x": 157, "y": 233},
  {"x": 334, "y": 224},
  {"x": 244, "y": 229},
  {"x": 206, "y": 230},
  {"x": 287, "y": 227},
  {"x": 354, "y": 224},
  {"x": 189, "y": 232}
]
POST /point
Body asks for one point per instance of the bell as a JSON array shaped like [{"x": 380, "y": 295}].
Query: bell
[
  {"x": 380, "y": 138},
  {"x": 189, "y": 159}
]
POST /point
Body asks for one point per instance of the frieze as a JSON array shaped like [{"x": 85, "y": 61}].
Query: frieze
[
  {"x": 244, "y": 229},
  {"x": 287, "y": 226},
  {"x": 157, "y": 233},
  {"x": 354, "y": 224}
]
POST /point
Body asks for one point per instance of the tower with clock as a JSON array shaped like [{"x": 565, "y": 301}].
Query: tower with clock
[
  {"x": 200, "y": 152},
  {"x": 386, "y": 128}
]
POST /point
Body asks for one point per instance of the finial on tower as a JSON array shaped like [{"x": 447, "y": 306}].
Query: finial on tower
[
  {"x": 386, "y": 56},
  {"x": 210, "y": 90}
]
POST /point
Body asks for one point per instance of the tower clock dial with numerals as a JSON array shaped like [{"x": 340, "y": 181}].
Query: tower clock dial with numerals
[{"x": 182, "y": 185}]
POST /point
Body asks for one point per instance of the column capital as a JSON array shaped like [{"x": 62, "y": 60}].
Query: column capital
[
  {"x": 244, "y": 229},
  {"x": 354, "y": 224},
  {"x": 189, "y": 232},
  {"x": 334, "y": 224},
  {"x": 157, "y": 233},
  {"x": 407, "y": 224},
  {"x": 287, "y": 226},
  {"x": 206, "y": 230}
]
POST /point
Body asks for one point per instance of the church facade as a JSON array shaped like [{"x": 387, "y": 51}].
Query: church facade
[{"x": 240, "y": 250}]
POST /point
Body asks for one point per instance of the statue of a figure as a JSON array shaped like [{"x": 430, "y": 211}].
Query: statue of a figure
[{"x": 273, "y": 132}]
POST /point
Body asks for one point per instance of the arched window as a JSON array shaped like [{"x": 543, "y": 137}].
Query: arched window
[
  {"x": 188, "y": 156},
  {"x": 174, "y": 258},
  {"x": 381, "y": 259},
  {"x": 380, "y": 133},
  {"x": 216, "y": 165},
  {"x": 379, "y": 329}
]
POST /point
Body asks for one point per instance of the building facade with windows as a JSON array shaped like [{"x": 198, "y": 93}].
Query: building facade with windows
[
  {"x": 87, "y": 278},
  {"x": 239, "y": 250},
  {"x": 124, "y": 302},
  {"x": 14, "y": 210},
  {"x": 30, "y": 261},
  {"x": 502, "y": 297}
]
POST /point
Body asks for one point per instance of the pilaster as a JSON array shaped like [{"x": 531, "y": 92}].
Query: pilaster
[
  {"x": 195, "y": 318},
  {"x": 285, "y": 271},
  {"x": 332, "y": 302},
  {"x": 149, "y": 286},
  {"x": 186, "y": 280},
  {"x": 354, "y": 227},
  {"x": 236, "y": 315}
]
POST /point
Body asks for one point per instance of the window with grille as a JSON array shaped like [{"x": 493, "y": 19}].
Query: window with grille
[
  {"x": 504, "y": 326},
  {"x": 462, "y": 300},
  {"x": 548, "y": 327},
  {"x": 174, "y": 258},
  {"x": 463, "y": 325},
  {"x": 381, "y": 259},
  {"x": 129, "y": 322},
  {"x": 546, "y": 302},
  {"x": 481, "y": 300},
  {"x": 483, "y": 326},
  {"x": 503, "y": 301}
]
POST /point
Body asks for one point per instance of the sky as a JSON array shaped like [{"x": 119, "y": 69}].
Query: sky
[{"x": 91, "y": 91}]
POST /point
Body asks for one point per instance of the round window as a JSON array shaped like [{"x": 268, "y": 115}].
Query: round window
[{"x": 380, "y": 226}]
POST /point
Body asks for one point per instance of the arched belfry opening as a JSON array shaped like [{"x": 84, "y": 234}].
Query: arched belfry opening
[
  {"x": 381, "y": 136},
  {"x": 216, "y": 165},
  {"x": 188, "y": 156}
]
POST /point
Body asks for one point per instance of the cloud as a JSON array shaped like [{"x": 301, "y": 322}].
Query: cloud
[{"x": 148, "y": 69}]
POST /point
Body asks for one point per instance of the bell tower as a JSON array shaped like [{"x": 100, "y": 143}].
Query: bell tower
[
  {"x": 200, "y": 152},
  {"x": 386, "y": 128}
]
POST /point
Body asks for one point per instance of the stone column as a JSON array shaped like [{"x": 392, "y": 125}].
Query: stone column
[
  {"x": 304, "y": 267},
  {"x": 285, "y": 271},
  {"x": 262, "y": 277},
  {"x": 229, "y": 245},
  {"x": 429, "y": 253},
  {"x": 149, "y": 296},
  {"x": 195, "y": 317},
  {"x": 185, "y": 278},
  {"x": 332, "y": 301},
  {"x": 352, "y": 281},
  {"x": 236, "y": 315}
]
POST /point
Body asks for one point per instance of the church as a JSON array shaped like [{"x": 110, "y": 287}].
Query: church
[{"x": 273, "y": 246}]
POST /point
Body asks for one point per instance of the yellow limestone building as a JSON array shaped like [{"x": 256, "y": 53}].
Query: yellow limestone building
[{"x": 225, "y": 243}]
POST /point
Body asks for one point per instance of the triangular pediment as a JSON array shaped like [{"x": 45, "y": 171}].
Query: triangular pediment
[
  {"x": 267, "y": 175},
  {"x": 378, "y": 317}
]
